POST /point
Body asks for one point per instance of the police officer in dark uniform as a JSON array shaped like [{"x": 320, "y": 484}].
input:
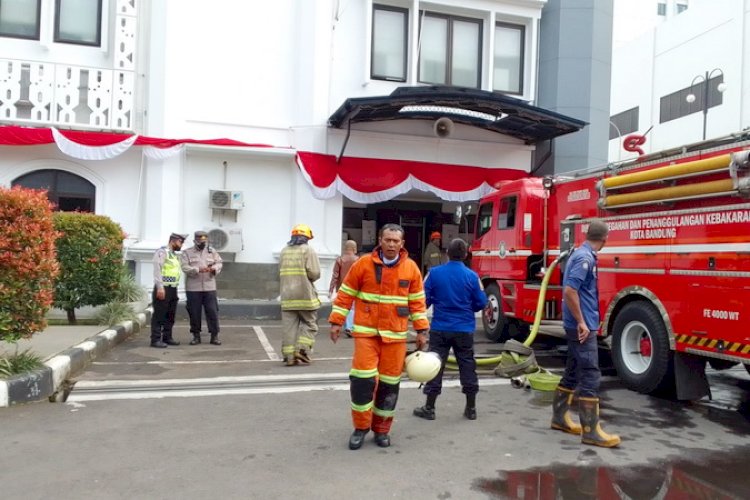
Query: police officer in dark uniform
[{"x": 167, "y": 273}]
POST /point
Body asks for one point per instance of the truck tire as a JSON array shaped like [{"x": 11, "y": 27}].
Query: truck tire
[
  {"x": 747, "y": 367},
  {"x": 494, "y": 321},
  {"x": 637, "y": 326}
]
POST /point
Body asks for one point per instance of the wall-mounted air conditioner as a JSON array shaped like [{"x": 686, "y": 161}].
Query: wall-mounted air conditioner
[
  {"x": 224, "y": 239},
  {"x": 225, "y": 200}
]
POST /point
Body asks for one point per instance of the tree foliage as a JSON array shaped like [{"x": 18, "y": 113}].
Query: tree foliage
[
  {"x": 89, "y": 251},
  {"x": 27, "y": 262}
]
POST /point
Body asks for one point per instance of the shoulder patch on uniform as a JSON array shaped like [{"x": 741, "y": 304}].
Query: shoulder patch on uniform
[{"x": 585, "y": 266}]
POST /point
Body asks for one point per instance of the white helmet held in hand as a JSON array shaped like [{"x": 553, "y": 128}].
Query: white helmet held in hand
[{"x": 422, "y": 366}]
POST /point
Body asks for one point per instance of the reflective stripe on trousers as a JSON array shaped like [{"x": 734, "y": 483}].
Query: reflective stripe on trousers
[{"x": 375, "y": 378}]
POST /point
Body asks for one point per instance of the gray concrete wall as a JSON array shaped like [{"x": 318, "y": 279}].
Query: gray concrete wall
[
  {"x": 575, "y": 56},
  {"x": 248, "y": 281}
]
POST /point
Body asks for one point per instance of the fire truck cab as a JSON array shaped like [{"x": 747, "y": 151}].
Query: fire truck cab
[{"x": 674, "y": 275}]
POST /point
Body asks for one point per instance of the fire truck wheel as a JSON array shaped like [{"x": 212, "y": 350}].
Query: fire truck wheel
[
  {"x": 640, "y": 348},
  {"x": 494, "y": 321}
]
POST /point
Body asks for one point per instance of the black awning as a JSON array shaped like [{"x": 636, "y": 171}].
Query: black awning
[{"x": 488, "y": 110}]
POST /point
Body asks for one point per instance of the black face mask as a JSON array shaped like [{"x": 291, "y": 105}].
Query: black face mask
[{"x": 200, "y": 246}]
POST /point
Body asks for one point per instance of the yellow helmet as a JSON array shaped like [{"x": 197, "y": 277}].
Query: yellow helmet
[
  {"x": 302, "y": 230},
  {"x": 423, "y": 366}
]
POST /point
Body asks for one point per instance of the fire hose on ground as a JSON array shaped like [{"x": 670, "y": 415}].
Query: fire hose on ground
[{"x": 517, "y": 361}]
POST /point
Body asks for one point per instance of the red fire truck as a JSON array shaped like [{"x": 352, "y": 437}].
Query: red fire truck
[{"x": 674, "y": 276}]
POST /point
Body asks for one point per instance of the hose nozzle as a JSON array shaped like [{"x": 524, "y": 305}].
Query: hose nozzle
[{"x": 519, "y": 383}]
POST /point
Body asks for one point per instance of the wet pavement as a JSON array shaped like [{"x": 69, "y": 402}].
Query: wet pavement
[{"x": 257, "y": 429}]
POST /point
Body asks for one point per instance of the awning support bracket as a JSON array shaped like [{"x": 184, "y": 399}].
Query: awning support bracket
[{"x": 346, "y": 140}]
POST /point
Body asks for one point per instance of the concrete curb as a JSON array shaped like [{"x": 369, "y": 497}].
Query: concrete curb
[{"x": 46, "y": 382}]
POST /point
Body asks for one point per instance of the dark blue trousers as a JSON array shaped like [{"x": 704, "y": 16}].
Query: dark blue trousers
[
  {"x": 162, "y": 319},
  {"x": 582, "y": 367},
  {"x": 463, "y": 349}
]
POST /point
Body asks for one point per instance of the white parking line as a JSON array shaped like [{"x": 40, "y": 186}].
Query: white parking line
[
  {"x": 266, "y": 344},
  {"x": 205, "y": 361}
]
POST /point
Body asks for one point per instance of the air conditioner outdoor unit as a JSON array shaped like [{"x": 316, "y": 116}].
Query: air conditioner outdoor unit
[
  {"x": 225, "y": 200},
  {"x": 225, "y": 240}
]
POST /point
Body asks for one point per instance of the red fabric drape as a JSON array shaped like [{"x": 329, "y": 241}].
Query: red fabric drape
[{"x": 12, "y": 135}]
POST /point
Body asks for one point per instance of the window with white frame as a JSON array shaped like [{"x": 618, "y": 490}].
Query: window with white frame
[
  {"x": 78, "y": 22},
  {"x": 389, "y": 43},
  {"x": 20, "y": 18},
  {"x": 450, "y": 50},
  {"x": 507, "y": 72}
]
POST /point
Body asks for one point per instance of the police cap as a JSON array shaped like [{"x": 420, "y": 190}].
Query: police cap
[
  {"x": 201, "y": 236},
  {"x": 178, "y": 236}
]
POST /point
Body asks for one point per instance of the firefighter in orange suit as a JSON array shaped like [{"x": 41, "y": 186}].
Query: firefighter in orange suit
[{"x": 387, "y": 286}]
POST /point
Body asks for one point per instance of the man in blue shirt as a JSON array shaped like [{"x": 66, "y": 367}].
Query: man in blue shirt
[
  {"x": 581, "y": 322},
  {"x": 456, "y": 294}
]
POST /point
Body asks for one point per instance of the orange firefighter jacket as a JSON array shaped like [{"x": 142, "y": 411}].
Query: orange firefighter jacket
[{"x": 387, "y": 297}]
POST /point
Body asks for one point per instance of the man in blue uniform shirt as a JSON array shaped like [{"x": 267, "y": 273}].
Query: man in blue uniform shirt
[
  {"x": 456, "y": 294},
  {"x": 581, "y": 322}
]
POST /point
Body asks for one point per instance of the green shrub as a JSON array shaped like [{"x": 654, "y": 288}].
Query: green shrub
[
  {"x": 27, "y": 262},
  {"x": 89, "y": 251},
  {"x": 113, "y": 313},
  {"x": 128, "y": 289},
  {"x": 20, "y": 362}
]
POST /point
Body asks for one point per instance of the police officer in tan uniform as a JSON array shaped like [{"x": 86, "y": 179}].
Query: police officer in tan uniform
[{"x": 201, "y": 264}]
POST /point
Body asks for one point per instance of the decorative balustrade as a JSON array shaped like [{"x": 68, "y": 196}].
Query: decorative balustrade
[{"x": 49, "y": 93}]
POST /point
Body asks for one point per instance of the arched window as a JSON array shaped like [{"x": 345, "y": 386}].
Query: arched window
[{"x": 69, "y": 192}]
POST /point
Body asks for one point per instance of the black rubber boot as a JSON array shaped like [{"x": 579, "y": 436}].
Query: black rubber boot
[
  {"x": 159, "y": 344},
  {"x": 588, "y": 409},
  {"x": 170, "y": 341},
  {"x": 196, "y": 340},
  {"x": 382, "y": 440},
  {"x": 427, "y": 411},
  {"x": 561, "y": 419},
  {"x": 357, "y": 438},
  {"x": 470, "y": 411},
  {"x": 215, "y": 340}
]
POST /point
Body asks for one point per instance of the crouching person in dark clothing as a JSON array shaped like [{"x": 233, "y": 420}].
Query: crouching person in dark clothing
[{"x": 456, "y": 294}]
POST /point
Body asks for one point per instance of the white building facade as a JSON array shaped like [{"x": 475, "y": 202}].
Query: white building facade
[
  {"x": 268, "y": 75},
  {"x": 684, "y": 81}
]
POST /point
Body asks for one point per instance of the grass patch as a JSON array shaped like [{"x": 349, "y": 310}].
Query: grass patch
[{"x": 20, "y": 362}]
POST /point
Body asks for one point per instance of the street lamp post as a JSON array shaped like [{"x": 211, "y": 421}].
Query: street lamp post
[{"x": 706, "y": 79}]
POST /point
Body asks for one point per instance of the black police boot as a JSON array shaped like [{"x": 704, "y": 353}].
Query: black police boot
[
  {"x": 470, "y": 411},
  {"x": 427, "y": 411},
  {"x": 196, "y": 339},
  {"x": 382, "y": 440},
  {"x": 357, "y": 438},
  {"x": 159, "y": 344},
  {"x": 170, "y": 341},
  {"x": 215, "y": 339}
]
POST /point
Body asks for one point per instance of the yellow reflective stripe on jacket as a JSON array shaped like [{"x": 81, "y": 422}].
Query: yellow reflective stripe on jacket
[
  {"x": 365, "y": 329},
  {"x": 383, "y": 299},
  {"x": 392, "y": 335},
  {"x": 340, "y": 310},
  {"x": 383, "y": 413},
  {"x": 416, "y": 296},
  {"x": 394, "y": 299},
  {"x": 364, "y": 407},
  {"x": 417, "y": 316},
  {"x": 390, "y": 379},
  {"x": 348, "y": 290},
  {"x": 293, "y": 271},
  {"x": 300, "y": 303},
  {"x": 363, "y": 373}
]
